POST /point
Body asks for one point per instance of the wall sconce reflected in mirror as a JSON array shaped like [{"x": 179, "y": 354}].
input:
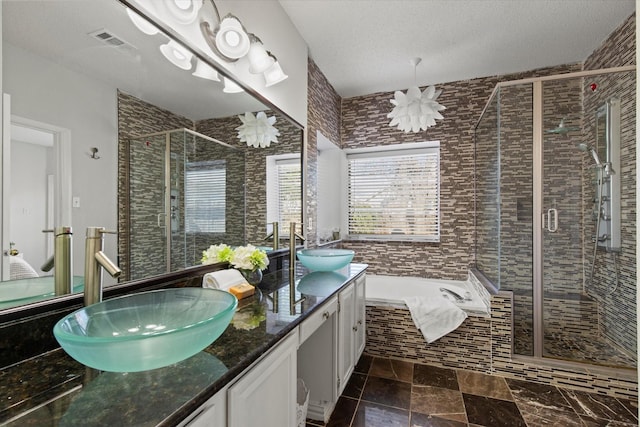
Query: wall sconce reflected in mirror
[
  {"x": 142, "y": 24},
  {"x": 183, "y": 11},
  {"x": 205, "y": 71},
  {"x": 177, "y": 54},
  {"x": 231, "y": 87}
]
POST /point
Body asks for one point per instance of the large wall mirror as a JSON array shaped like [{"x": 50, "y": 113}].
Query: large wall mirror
[{"x": 105, "y": 131}]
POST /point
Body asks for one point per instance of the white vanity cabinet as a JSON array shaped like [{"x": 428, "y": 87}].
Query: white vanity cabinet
[
  {"x": 351, "y": 329},
  {"x": 346, "y": 335},
  {"x": 322, "y": 350},
  {"x": 360, "y": 339},
  {"x": 212, "y": 413},
  {"x": 327, "y": 357},
  {"x": 266, "y": 394}
]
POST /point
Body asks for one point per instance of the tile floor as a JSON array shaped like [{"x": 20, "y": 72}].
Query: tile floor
[
  {"x": 574, "y": 347},
  {"x": 392, "y": 393}
]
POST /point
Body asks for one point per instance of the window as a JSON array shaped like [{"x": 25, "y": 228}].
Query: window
[
  {"x": 204, "y": 194},
  {"x": 394, "y": 194},
  {"x": 284, "y": 197}
]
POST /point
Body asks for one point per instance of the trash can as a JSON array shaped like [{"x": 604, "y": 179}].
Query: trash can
[{"x": 302, "y": 401}]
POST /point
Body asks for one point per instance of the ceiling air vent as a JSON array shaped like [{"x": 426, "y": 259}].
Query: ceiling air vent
[{"x": 110, "y": 39}]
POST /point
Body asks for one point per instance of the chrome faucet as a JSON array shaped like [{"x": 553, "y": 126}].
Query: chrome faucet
[
  {"x": 274, "y": 235},
  {"x": 61, "y": 260},
  {"x": 94, "y": 258},
  {"x": 293, "y": 235}
]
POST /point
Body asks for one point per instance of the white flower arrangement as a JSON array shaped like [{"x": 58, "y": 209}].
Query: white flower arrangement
[{"x": 242, "y": 257}]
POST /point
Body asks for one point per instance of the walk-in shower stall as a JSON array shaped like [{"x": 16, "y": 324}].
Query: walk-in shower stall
[
  {"x": 555, "y": 165},
  {"x": 186, "y": 192}
]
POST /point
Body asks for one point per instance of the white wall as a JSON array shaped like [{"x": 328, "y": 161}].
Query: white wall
[
  {"x": 48, "y": 92},
  {"x": 331, "y": 161}
]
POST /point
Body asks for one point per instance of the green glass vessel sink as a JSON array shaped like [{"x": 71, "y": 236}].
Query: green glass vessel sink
[
  {"x": 24, "y": 291},
  {"x": 147, "y": 330},
  {"x": 325, "y": 259}
]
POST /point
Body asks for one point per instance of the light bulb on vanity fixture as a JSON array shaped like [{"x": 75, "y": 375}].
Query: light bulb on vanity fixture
[
  {"x": 274, "y": 74},
  {"x": 231, "y": 39},
  {"x": 226, "y": 37},
  {"x": 259, "y": 59}
]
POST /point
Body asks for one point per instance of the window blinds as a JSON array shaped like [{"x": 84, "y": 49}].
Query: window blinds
[
  {"x": 394, "y": 195},
  {"x": 289, "y": 196},
  {"x": 205, "y": 203}
]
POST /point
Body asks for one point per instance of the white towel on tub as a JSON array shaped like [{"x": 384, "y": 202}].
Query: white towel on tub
[
  {"x": 434, "y": 316},
  {"x": 222, "y": 279}
]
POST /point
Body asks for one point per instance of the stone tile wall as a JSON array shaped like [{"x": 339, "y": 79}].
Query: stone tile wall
[
  {"x": 323, "y": 115},
  {"x": 364, "y": 124},
  {"x": 615, "y": 275}
]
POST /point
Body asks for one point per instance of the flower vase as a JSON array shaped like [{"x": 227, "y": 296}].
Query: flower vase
[{"x": 253, "y": 277}]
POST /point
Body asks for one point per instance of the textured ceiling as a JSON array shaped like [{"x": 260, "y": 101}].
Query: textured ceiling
[{"x": 364, "y": 46}]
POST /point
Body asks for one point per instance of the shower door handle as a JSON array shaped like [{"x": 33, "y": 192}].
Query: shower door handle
[
  {"x": 161, "y": 220},
  {"x": 552, "y": 220}
]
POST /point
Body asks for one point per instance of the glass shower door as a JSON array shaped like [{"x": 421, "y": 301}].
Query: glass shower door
[
  {"x": 568, "y": 317},
  {"x": 147, "y": 223}
]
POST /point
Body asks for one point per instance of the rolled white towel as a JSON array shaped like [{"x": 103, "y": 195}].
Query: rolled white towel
[{"x": 222, "y": 279}]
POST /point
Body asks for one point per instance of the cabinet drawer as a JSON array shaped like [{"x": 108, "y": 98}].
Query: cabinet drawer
[{"x": 313, "y": 322}]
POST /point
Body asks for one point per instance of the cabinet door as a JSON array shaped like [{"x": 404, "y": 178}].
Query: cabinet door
[
  {"x": 346, "y": 324},
  {"x": 266, "y": 394},
  {"x": 212, "y": 413},
  {"x": 360, "y": 316}
]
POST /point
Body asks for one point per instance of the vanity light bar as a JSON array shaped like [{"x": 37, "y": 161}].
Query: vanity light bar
[{"x": 228, "y": 39}]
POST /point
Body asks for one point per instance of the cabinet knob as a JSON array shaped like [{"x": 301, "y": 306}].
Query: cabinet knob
[
  {"x": 359, "y": 322},
  {"x": 355, "y": 329},
  {"x": 325, "y": 315}
]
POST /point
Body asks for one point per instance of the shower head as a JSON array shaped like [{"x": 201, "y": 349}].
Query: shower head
[
  {"x": 584, "y": 147},
  {"x": 562, "y": 128}
]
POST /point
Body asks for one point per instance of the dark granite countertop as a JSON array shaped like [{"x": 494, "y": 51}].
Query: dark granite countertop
[{"x": 53, "y": 389}]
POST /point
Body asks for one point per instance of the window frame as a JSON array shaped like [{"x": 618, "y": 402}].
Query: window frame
[{"x": 386, "y": 151}]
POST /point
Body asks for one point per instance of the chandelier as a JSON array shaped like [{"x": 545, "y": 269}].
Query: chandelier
[
  {"x": 257, "y": 131},
  {"x": 415, "y": 111}
]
